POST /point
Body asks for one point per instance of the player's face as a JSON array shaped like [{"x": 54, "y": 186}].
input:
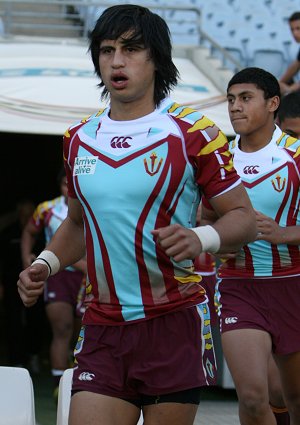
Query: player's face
[
  {"x": 128, "y": 73},
  {"x": 249, "y": 111},
  {"x": 291, "y": 126},
  {"x": 295, "y": 29}
]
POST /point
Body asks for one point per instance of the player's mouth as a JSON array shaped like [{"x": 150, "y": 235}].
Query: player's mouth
[
  {"x": 234, "y": 119},
  {"x": 119, "y": 81}
]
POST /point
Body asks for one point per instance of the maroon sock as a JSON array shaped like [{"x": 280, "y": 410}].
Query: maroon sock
[{"x": 282, "y": 415}]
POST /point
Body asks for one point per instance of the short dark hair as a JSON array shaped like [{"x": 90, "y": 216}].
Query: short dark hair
[
  {"x": 146, "y": 27},
  {"x": 261, "y": 78},
  {"x": 294, "y": 17},
  {"x": 289, "y": 106}
]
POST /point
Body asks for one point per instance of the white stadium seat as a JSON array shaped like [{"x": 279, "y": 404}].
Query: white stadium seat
[
  {"x": 64, "y": 397},
  {"x": 17, "y": 397}
]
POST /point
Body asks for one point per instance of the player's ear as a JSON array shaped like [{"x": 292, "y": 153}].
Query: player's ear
[{"x": 273, "y": 103}]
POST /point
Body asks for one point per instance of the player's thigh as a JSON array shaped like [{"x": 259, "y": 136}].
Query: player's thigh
[
  {"x": 170, "y": 414},
  {"x": 247, "y": 352},
  {"x": 289, "y": 366},
  {"x": 60, "y": 316},
  {"x": 97, "y": 409}
]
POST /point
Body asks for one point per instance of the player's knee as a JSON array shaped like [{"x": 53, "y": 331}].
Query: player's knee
[{"x": 253, "y": 402}]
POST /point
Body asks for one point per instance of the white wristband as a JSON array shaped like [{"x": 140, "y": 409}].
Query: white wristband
[
  {"x": 209, "y": 238},
  {"x": 50, "y": 260}
]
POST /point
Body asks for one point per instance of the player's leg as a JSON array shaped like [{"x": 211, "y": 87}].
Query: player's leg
[
  {"x": 178, "y": 408},
  {"x": 277, "y": 402},
  {"x": 97, "y": 409},
  {"x": 60, "y": 316},
  {"x": 289, "y": 366},
  {"x": 247, "y": 352}
]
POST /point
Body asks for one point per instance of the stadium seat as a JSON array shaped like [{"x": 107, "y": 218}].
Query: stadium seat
[
  {"x": 17, "y": 397},
  {"x": 64, "y": 397}
]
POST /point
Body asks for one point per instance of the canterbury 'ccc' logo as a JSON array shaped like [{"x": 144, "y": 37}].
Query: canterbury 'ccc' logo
[
  {"x": 251, "y": 169},
  {"x": 120, "y": 142}
]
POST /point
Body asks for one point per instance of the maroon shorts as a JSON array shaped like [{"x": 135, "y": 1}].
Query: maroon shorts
[
  {"x": 64, "y": 286},
  {"x": 209, "y": 282},
  {"x": 272, "y": 305},
  {"x": 159, "y": 356}
]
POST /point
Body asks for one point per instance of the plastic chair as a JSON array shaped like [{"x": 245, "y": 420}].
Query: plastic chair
[
  {"x": 64, "y": 397},
  {"x": 17, "y": 397}
]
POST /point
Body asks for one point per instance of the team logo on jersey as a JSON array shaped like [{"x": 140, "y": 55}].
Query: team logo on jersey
[
  {"x": 120, "y": 142},
  {"x": 278, "y": 183},
  {"x": 251, "y": 169},
  {"x": 85, "y": 165},
  {"x": 153, "y": 167}
]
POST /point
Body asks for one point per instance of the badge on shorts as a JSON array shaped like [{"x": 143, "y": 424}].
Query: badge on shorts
[{"x": 85, "y": 165}]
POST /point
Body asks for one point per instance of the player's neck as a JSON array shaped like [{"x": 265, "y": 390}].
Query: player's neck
[
  {"x": 256, "y": 140},
  {"x": 127, "y": 111}
]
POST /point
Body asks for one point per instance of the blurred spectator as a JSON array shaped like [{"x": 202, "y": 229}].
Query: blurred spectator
[{"x": 287, "y": 82}]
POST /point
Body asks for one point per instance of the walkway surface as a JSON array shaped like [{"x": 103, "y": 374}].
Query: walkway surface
[{"x": 217, "y": 413}]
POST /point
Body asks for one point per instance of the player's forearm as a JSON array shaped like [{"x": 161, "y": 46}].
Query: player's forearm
[
  {"x": 68, "y": 243},
  {"x": 288, "y": 235},
  {"x": 236, "y": 229}
]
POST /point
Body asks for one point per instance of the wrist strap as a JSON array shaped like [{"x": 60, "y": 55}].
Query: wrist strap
[
  {"x": 50, "y": 260},
  {"x": 209, "y": 238}
]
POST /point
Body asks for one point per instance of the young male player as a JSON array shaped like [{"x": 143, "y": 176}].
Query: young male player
[{"x": 136, "y": 171}]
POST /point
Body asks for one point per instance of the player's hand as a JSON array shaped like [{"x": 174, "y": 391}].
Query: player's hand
[
  {"x": 268, "y": 229},
  {"x": 178, "y": 242},
  {"x": 31, "y": 283}
]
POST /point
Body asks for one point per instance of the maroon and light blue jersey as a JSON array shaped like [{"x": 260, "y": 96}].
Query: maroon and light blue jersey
[
  {"x": 49, "y": 215},
  {"x": 271, "y": 177},
  {"x": 134, "y": 176}
]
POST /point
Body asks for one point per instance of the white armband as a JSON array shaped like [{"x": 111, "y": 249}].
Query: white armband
[
  {"x": 209, "y": 238},
  {"x": 50, "y": 260}
]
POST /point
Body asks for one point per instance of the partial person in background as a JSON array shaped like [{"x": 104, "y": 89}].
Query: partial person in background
[
  {"x": 23, "y": 327},
  {"x": 61, "y": 291},
  {"x": 289, "y": 114},
  {"x": 132, "y": 206},
  {"x": 259, "y": 286},
  {"x": 287, "y": 80}
]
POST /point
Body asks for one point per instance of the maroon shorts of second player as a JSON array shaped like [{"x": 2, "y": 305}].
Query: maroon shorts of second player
[
  {"x": 63, "y": 286},
  {"x": 272, "y": 305},
  {"x": 159, "y": 356}
]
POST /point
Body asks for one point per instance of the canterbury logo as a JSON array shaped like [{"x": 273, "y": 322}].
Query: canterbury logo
[
  {"x": 229, "y": 320},
  {"x": 251, "y": 169},
  {"x": 120, "y": 142},
  {"x": 153, "y": 167},
  {"x": 86, "y": 376},
  {"x": 278, "y": 183}
]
